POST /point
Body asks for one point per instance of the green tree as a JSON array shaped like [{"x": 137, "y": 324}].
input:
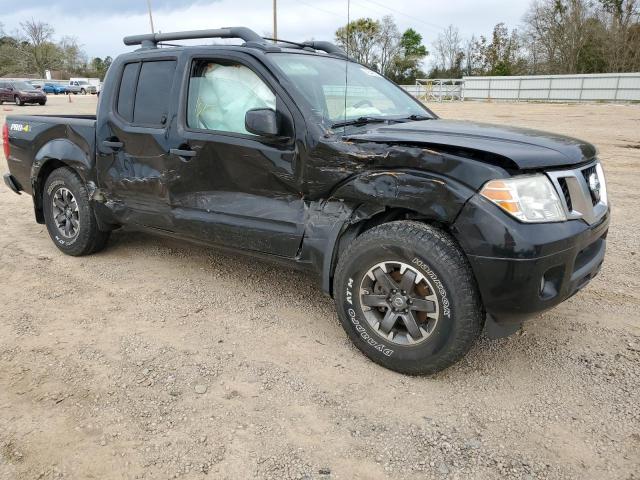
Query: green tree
[
  {"x": 359, "y": 39},
  {"x": 406, "y": 66},
  {"x": 501, "y": 56}
]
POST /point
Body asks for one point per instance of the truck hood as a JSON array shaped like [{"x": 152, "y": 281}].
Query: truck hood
[{"x": 526, "y": 148}]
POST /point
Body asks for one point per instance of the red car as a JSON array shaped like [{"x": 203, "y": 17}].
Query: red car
[{"x": 20, "y": 92}]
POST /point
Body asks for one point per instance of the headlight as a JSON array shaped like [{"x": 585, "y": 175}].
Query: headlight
[
  {"x": 529, "y": 198},
  {"x": 602, "y": 184}
]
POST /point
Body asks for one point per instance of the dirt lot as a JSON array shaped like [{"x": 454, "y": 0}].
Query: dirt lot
[{"x": 139, "y": 362}]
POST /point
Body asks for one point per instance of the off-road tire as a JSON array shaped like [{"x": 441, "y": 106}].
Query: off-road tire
[
  {"x": 89, "y": 238},
  {"x": 433, "y": 253}
]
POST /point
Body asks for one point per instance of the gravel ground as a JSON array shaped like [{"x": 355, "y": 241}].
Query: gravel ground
[{"x": 140, "y": 362}]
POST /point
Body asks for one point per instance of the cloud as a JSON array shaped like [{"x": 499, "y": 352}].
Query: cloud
[
  {"x": 111, "y": 7},
  {"x": 100, "y": 27}
]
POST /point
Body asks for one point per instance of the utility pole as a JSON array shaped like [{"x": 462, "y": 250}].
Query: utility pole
[
  {"x": 275, "y": 19},
  {"x": 151, "y": 16}
]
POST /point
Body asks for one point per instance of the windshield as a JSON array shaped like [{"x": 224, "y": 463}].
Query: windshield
[
  {"x": 321, "y": 80},
  {"x": 23, "y": 86}
]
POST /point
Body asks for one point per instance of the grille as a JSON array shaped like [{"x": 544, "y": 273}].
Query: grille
[
  {"x": 580, "y": 200},
  {"x": 587, "y": 172},
  {"x": 565, "y": 192}
]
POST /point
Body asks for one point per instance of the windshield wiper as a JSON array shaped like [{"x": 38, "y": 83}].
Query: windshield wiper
[
  {"x": 362, "y": 121},
  {"x": 417, "y": 118}
]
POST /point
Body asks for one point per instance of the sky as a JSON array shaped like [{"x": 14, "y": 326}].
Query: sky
[{"x": 99, "y": 26}]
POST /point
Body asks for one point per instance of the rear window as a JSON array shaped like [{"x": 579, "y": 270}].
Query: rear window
[{"x": 144, "y": 93}]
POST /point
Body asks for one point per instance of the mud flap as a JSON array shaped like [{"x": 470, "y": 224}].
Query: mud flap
[{"x": 495, "y": 330}]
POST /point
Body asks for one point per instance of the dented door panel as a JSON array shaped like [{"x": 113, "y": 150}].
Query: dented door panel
[
  {"x": 136, "y": 176},
  {"x": 239, "y": 193}
]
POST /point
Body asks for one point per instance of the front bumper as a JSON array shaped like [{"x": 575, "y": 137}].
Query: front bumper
[
  {"x": 33, "y": 98},
  {"x": 523, "y": 269}
]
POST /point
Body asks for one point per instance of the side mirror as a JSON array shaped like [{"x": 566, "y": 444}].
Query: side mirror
[{"x": 262, "y": 121}]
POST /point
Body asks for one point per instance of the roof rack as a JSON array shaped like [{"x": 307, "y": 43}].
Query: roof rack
[
  {"x": 328, "y": 47},
  {"x": 151, "y": 40}
]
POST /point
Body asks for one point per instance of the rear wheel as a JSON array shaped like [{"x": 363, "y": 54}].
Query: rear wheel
[
  {"x": 83, "y": 91},
  {"x": 69, "y": 216},
  {"x": 407, "y": 298}
]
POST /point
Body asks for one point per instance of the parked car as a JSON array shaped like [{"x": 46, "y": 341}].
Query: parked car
[
  {"x": 81, "y": 86},
  {"x": 423, "y": 230},
  {"x": 75, "y": 89},
  {"x": 55, "y": 88},
  {"x": 37, "y": 84},
  {"x": 20, "y": 92}
]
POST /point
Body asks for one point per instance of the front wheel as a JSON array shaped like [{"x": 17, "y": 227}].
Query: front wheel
[
  {"x": 69, "y": 216},
  {"x": 17, "y": 101},
  {"x": 407, "y": 298}
]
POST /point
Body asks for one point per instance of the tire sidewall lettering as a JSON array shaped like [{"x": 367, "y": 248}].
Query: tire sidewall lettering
[
  {"x": 360, "y": 329},
  {"x": 53, "y": 185},
  {"x": 435, "y": 280}
]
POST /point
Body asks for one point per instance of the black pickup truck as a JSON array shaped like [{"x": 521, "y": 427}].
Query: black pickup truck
[{"x": 423, "y": 230}]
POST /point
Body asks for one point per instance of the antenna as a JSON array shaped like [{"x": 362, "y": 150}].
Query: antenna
[
  {"x": 346, "y": 61},
  {"x": 150, "y": 16},
  {"x": 275, "y": 19}
]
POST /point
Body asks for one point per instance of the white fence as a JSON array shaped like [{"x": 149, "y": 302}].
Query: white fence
[{"x": 608, "y": 87}]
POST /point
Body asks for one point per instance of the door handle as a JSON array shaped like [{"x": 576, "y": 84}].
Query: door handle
[
  {"x": 182, "y": 153},
  {"x": 113, "y": 144}
]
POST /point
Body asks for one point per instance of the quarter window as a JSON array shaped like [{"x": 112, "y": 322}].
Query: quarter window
[{"x": 221, "y": 93}]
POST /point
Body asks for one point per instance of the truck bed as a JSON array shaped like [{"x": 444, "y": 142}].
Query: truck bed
[{"x": 33, "y": 138}]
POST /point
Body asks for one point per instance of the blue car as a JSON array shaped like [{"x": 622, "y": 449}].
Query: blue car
[{"x": 55, "y": 88}]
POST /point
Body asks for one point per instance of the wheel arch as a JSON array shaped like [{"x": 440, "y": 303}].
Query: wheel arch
[
  {"x": 385, "y": 196},
  {"x": 365, "y": 223},
  {"x": 56, "y": 154}
]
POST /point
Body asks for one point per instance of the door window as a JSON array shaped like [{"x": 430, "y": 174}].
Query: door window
[
  {"x": 145, "y": 92},
  {"x": 154, "y": 92},
  {"x": 221, "y": 93},
  {"x": 127, "y": 91}
]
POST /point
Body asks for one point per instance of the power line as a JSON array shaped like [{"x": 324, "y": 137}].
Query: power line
[
  {"x": 341, "y": 15},
  {"x": 412, "y": 17}
]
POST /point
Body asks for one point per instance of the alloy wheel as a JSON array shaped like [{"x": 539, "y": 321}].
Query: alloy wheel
[
  {"x": 399, "y": 303},
  {"x": 65, "y": 213}
]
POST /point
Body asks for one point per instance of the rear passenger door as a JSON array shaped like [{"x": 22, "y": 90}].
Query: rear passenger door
[{"x": 132, "y": 143}]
